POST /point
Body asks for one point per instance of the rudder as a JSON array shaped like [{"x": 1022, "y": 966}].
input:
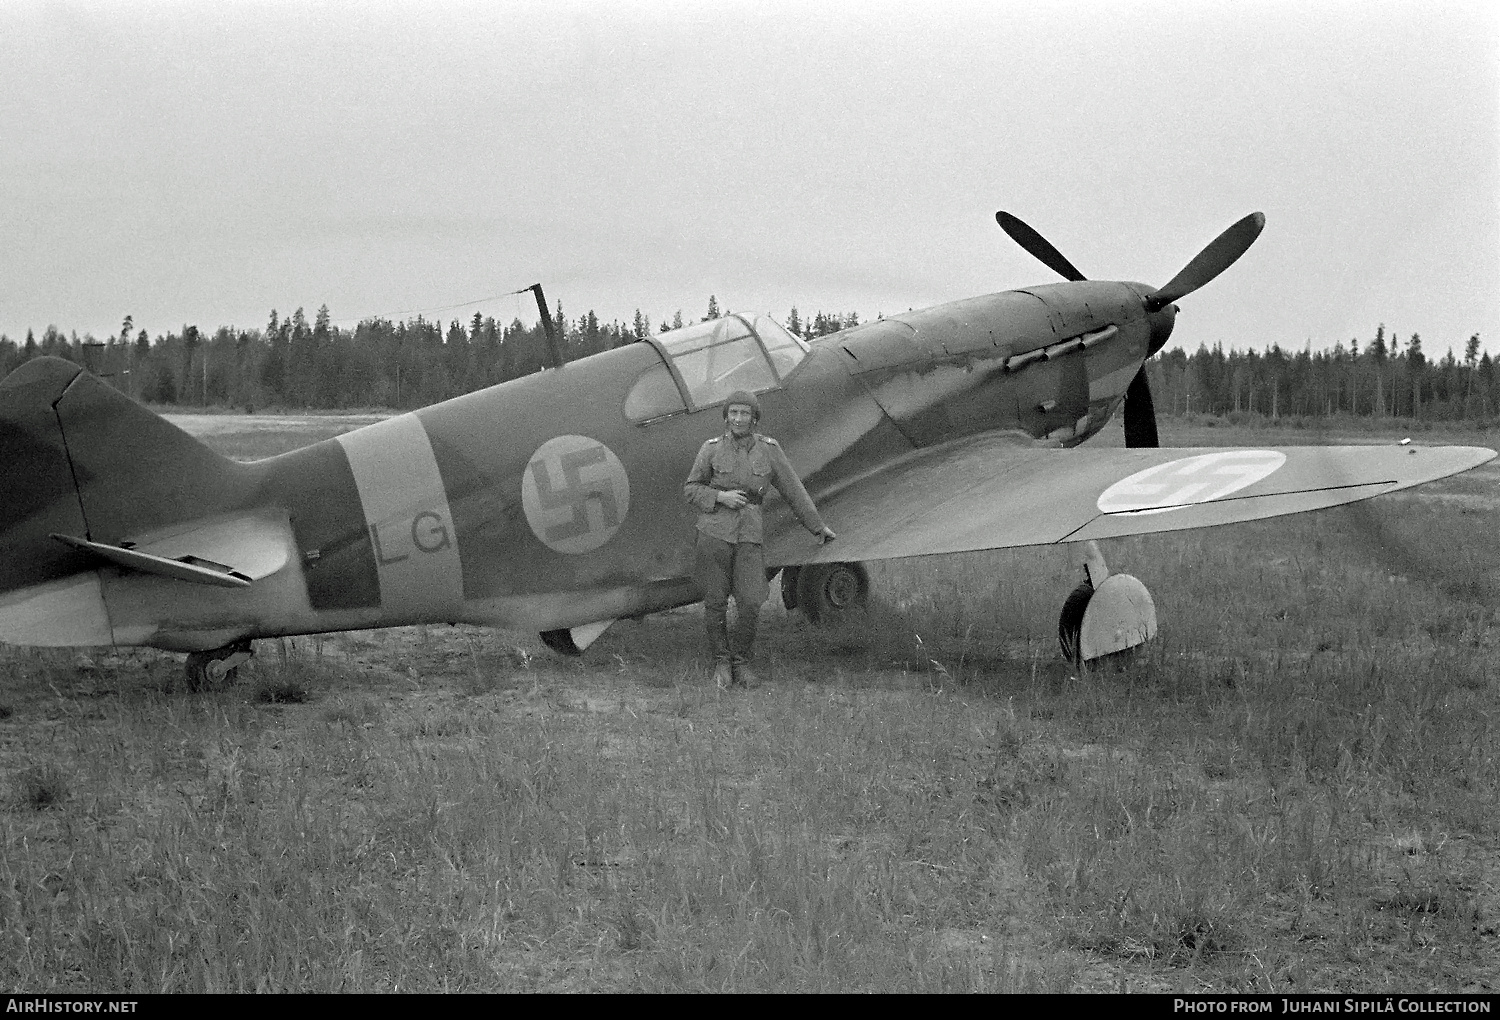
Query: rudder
[{"x": 38, "y": 494}]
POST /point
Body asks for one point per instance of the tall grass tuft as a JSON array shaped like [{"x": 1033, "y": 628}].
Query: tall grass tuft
[{"x": 41, "y": 787}]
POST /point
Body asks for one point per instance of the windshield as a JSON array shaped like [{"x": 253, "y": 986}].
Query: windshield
[
  {"x": 715, "y": 358},
  {"x": 785, "y": 350}
]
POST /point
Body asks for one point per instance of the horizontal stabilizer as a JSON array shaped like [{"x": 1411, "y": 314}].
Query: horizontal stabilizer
[
  {"x": 187, "y": 568},
  {"x": 990, "y": 493},
  {"x": 228, "y": 551}
]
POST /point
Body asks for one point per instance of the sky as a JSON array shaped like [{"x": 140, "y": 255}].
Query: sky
[{"x": 206, "y": 162}]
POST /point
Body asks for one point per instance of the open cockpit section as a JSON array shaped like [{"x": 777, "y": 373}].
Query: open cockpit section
[{"x": 702, "y": 364}]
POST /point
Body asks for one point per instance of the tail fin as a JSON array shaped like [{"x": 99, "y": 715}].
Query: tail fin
[
  {"x": 37, "y": 491},
  {"x": 82, "y": 459}
]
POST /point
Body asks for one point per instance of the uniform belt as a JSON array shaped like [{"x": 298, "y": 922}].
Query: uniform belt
[{"x": 752, "y": 497}]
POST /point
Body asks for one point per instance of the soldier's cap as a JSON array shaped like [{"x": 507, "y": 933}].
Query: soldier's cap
[{"x": 746, "y": 398}]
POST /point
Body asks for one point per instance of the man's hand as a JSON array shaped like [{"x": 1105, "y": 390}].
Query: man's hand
[
  {"x": 826, "y": 535},
  {"x": 734, "y": 499}
]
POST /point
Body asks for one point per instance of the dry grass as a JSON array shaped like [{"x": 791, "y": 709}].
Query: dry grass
[
  {"x": 253, "y": 436},
  {"x": 1293, "y": 790}
]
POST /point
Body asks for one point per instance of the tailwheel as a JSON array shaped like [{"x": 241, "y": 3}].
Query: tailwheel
[
  {"x": 825, "y": 592},
  {"x": 218, "y": 667}
]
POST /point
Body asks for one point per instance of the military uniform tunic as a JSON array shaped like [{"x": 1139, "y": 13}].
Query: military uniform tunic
[{"x": 753, "y": 465}]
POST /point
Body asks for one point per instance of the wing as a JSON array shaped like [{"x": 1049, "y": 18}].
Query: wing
[{"x": 990, "y": 493}]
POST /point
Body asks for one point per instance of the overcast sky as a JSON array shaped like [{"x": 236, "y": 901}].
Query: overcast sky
[{"x": 205, "y": 162}]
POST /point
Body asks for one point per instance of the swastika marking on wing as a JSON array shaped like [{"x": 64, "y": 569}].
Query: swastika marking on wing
[
  {"x": 1180, "y": 483},
  {"x": 575, "y": 493}
]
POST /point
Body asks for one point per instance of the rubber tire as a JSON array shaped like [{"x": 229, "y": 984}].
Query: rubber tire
[
  {"x": 196, "y": 671},
  {"x": 826, "y": 592},
  {"x": 1070, "y": 621}
]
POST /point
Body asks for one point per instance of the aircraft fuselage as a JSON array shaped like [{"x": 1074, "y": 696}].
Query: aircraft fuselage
[{"x": 541, "y": 504}]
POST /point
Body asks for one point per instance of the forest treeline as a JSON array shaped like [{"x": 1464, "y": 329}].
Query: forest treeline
[
  {"x": 1383, "y": 378},
  {"x": 294, "y": 363}
]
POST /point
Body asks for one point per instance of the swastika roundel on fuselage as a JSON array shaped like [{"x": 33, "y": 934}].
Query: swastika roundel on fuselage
[{"x": 575, "y": 494}]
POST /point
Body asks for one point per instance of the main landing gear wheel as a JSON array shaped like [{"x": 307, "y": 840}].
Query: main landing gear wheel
[
  {"x": 218, "y": 667},
  {"x": 1114, "y": 617},
  {"x": 1107, "y": 613},
  {"x": 825, "y": 592}
]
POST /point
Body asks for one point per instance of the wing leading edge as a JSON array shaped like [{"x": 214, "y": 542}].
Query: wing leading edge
[{"x": 990, "y": 493}]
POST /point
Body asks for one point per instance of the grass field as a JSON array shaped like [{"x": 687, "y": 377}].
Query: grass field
[{"x": 1294, "y": 789}]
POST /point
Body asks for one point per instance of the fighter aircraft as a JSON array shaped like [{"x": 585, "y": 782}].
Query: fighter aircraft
[{"x": 554, "y": 502}]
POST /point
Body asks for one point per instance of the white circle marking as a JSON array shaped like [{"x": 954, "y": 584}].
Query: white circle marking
[
  {"x": 575, "y": 493},
  {"x": 1180, "y": 483}
]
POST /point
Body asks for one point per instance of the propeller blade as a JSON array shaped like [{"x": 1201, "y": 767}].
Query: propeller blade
[
  {"x": 1140, "y": 413},
  {"x": 1039, "y": 246},
  {"x": 1210, "y": 262}
]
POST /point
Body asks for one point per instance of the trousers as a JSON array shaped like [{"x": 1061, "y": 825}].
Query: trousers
[{"x": 726, "y": 568}]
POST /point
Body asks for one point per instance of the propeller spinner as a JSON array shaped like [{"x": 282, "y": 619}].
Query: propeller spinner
[{"x": 1219, "y": 255}]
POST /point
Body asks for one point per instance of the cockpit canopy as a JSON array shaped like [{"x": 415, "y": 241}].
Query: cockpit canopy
[{"x": 707, "y": 361}]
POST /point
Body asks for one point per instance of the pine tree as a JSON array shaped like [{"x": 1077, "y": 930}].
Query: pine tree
[
  {"x": 1416, "y": 363},
  {"x": 713, "y": 309},
  {"x": 589, "y": 334},
  {"x": 190, "y": 344},
  {"x": 273, "y": 366}
]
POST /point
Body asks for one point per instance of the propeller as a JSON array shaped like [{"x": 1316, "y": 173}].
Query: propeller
[
  {"x": 1221, "y": 253},
  {"x": 1140, "y": 413},
  {"x": 1038, "y": 246}
]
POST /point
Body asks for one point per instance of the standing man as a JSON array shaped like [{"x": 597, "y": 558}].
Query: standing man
[{"x": 727, "y": 484}]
